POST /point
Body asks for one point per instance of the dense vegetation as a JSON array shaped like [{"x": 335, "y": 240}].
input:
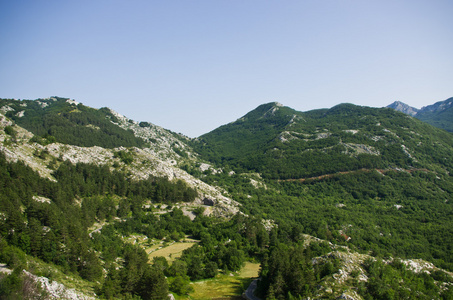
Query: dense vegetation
[
  {"x": 393, "y": 213},
  {"x": 374, "y": 180},
  {"x": 281, "y": 143},
  {"x": 58, "y": 120},
  {"x": 441, "y": 118},
  {"x": 57, "y": 232},
  {"x": 288, "y": 273}
]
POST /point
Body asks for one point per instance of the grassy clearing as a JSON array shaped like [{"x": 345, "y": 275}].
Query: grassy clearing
[
  {"x": 171, "y": 252},
  {"x": 225, "y": 286},
  {"x": 250, "y": 270},
  {"x": 221, "y": 287}
]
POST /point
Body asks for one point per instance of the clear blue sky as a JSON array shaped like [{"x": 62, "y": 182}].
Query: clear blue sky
[{"x": 191, "y": 66}]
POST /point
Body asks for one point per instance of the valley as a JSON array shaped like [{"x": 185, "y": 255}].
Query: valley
[{"x": 349, "y": 202}]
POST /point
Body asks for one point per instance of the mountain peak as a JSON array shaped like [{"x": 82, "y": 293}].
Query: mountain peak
[
  {"x": 404, "y": 108},
  {"x": 269, "y": 105},
  {"x": 263, "y": 111}
]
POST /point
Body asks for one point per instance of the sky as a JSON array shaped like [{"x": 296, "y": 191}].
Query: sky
[{"x": 193, "y": 65}]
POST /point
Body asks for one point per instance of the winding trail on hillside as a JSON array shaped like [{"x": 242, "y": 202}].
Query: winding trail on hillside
[
  {"x": 382, "y": 171},
  {"x": 249, "y": 292}
]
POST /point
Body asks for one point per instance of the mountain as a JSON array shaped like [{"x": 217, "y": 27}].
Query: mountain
[
  {"x": 351, "y": 202},
  {"x": 281, "y": 143},
  {"x": 58, "y": 129},
  {"x": 439, "y": 114},
  {"x": 404, "y": 108},
  {"x": 366, "y": 173}
]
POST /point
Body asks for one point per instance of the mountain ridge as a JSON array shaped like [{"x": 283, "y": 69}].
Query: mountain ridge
[
  {"x": 161, "y": 157},
  {"x": 335, "y": 134},
  {"x": 439, "y": 114},
  {"x": 366, "y": 184}
]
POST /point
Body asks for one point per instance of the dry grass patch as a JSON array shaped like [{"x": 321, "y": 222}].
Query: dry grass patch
[
  {"x": 172, "y": 251},
  {"x": 221, "y": 287},
  {"x": 250, "y": 270},
  {"x": 225, "y": 287}
]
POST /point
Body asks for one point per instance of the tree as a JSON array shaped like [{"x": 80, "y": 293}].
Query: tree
[
  {"x": 153, "y": 285},
  {"x": 211, "y": 269},
  {"x": 177, "y": 268},
  {"x": 181, "y": 285},
  {"x": 112, "y": 284},
  {"x": 195, "y": 270}
]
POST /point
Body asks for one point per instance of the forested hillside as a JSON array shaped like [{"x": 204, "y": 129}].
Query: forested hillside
[
  {"x": 68, "y": 122},
  {"x": 375, "y": 178},
  {"x": 281, "y": 143},
  {"x": 341, "y": 202}
]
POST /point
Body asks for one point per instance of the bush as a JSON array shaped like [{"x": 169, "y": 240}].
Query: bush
[
  {"x": 9, "y": 130},
  {"x": 181, "y": 285}
]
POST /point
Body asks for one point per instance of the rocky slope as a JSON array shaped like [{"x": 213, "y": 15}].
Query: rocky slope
[
  {"x": 351, "y": 270},
  {"x": 165, "y": 145},
  {"x": 404, "y": 108},
  {"x": 158, "y": 160}
]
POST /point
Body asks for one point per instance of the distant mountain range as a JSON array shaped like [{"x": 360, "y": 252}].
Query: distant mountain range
[{"x": 439, "y": 114}]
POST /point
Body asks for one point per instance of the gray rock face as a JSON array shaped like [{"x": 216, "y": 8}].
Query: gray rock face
[
  {"x": 56, "y": 290},
  {"x": 158, "y": 160},
  {"x": 438, "y": 106},
  {"x": 404, "y": 108}
]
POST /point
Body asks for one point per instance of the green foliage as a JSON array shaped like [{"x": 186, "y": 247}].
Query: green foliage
[
  {"x": 177, "y": 268},
  {"x": 385, "y": 282},
  {"x": 397, "y": 213},
  {"x": 58, "y": 232},
  {"x": 125, "y": 157},
  {"x": 316, "y": 178},
  {"x": 136, "y": 277},
  {"x": 9, "y": 130},
  {"x": 11, "y": 255},
  {"x": 181, "y": 285},
  {"x": 180, "y": 152},
  {"x": 441, "y": 118},
  {"x": 288, "y": 270},
  {"x": 281, "y": 143},
  {"x": 18, "y": 285},
  {"x": 58, "y": 120}
]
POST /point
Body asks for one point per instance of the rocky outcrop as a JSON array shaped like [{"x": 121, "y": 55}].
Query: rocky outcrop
[
  {"x": 162, "y": 143},
  {"x": 356, "y": 149},
  {"x": 351, "y": 269},
  {"x": 55, "y": 290}
]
